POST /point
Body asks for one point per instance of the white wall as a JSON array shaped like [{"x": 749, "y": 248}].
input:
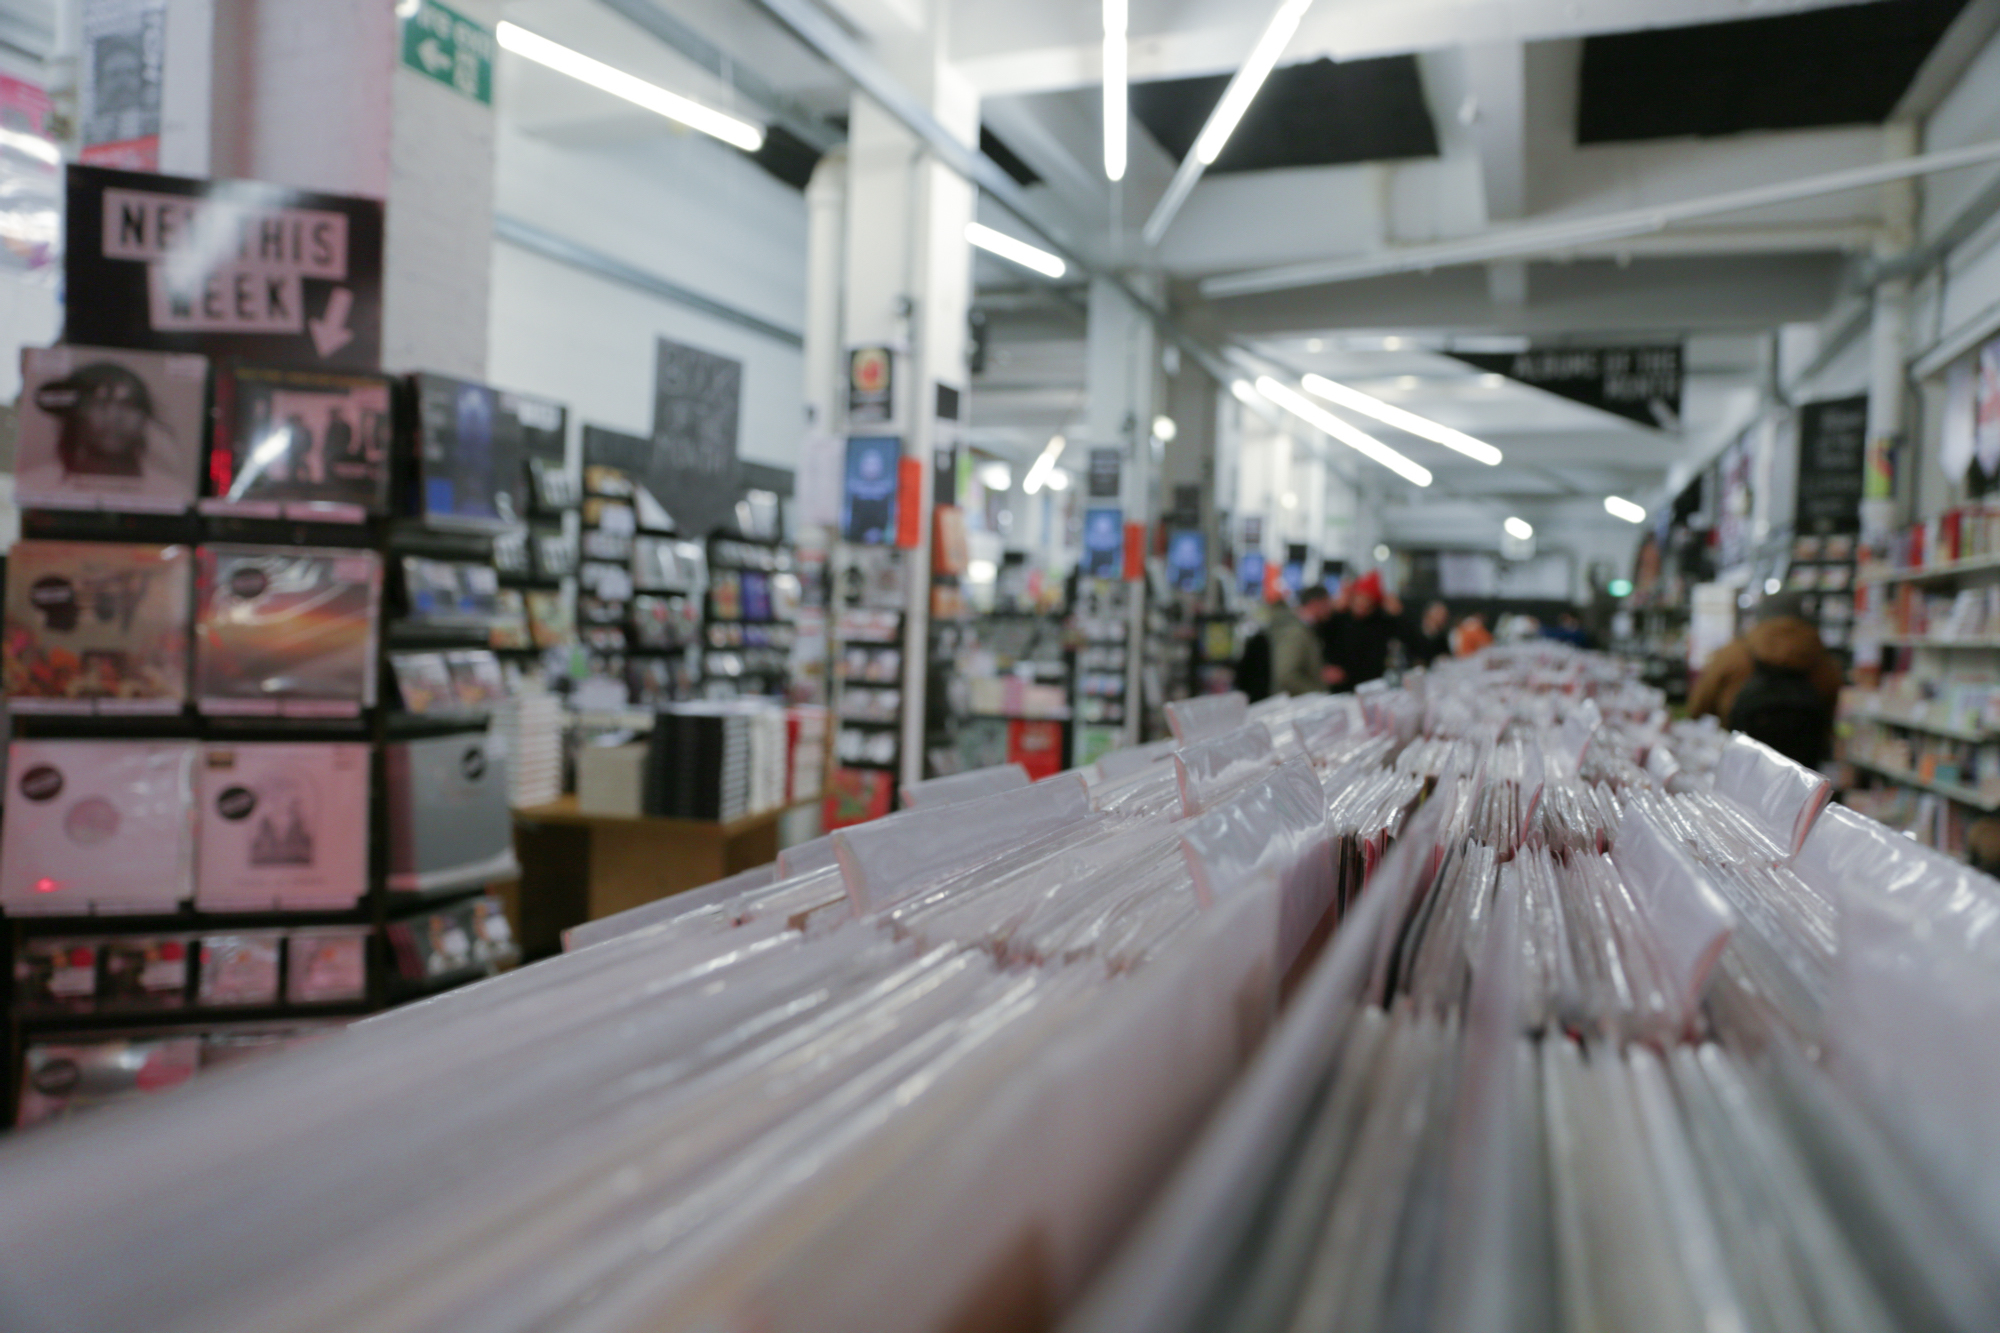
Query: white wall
[{"x": 678, "y": 206}]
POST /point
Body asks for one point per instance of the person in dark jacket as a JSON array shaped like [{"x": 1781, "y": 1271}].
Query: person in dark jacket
[
  {"x": 1355, "y": 639},
  {"x": 1432, "y": 639},
  {"x": 1776, "y": 667}
]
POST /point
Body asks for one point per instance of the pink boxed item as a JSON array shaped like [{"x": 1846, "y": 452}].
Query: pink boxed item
[
  {"x": 109, "y": 428},
  {"x": 328, "y": 965},
  {"x": 63, "y": 1077},
  {"x": 98, "y": 826},
  {"x": 283, "y": 826},
  {"x": 239, "y": 969},
  {"x": 97, "y": 627}
]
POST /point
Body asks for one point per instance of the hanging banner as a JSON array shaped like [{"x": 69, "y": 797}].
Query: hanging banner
[
  {"x": 1135, "y": 552},
  {"x": 909, "y": 502},
  {"x": 1641, "y": 384},
  {"x": 1103, "y": 542},
  {"x": 118, "y": 97},
  {"x": 232, "y": 269},
  {"x": 1833, "y": 439}
]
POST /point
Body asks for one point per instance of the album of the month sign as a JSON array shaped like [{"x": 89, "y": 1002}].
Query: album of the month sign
[{"x": 233, "y": 269}]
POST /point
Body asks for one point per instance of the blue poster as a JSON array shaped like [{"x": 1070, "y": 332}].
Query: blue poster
[
  {"x": 1103, "y": 542},
  {"x": 868, "y": 493},
  {"x": 1187, "y": 560},
  {"x": 1250, "y": 568}
]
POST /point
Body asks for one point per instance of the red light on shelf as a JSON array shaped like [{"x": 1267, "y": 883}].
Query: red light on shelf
[{"x": 47, "y": 885}]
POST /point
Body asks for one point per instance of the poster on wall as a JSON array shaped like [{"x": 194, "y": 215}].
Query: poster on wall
[
  {"x": 1986, "y": 410},
  {"x": 1187, "y": 560},
  {"x": 1833, "y": 437},
  {"x": 30, "y": 180},
  {"x": 232, "y": 269},
  {"x": 697, "y": 407},
  {"x": 868, "y": 489},
  {"x": 1103, "y": 542},
  {"x": 871, "y": 386},
  {"x": 124, "y": 60}
]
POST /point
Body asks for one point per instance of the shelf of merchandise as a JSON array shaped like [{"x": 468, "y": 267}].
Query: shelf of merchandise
[
  {"x": 1903, "y": 777},
  {"x": 1987, "y": 641},
  {"x": 1877, "y": 575},
  {"x": 1928, "y": 728}
]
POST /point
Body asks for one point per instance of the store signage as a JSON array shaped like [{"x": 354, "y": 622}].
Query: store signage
[
  {"x": 1641, "y": 384},
  {"x": 697, "y": 404},
  {"x": 1103, "y": 542},
  {"x": 1187, "y": 560},
  {"x": 870, "y": 488},
  {"x": 1105, "y": 466},
  {"x": 1833, "y": 442},
  {"x": 871, "y": 386},
  {"x": 443, "y": 44},
  {"x": 1186, "y": 512},
  {"x": 122, "y": 75},
  {"x": 231, "y": 269},
  {"x": 1253, "y": 532}
]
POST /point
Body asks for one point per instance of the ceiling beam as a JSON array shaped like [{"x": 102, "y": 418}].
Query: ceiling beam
[
  {"x": 1568, "y": 234},
  {"x": 989, "y": 49}
]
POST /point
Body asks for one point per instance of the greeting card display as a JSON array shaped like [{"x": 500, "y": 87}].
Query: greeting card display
[
  {"x": 97, "y": 826},
  {"x": 474, "y": 446},
  {"x": 107, "y": 428},
  {"x": 286, "y": 630},
  {"x": 94, "y": 626},
  {"x": 67, "y": 1076},
  {"x": 300, "y": 443},
  {"x": 283, "y": 826}
]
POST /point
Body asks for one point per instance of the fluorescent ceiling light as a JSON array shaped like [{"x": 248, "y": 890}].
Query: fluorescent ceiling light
[
  {"x": 1058, "y": 480},
  {"x": 1014, "y": 249},
  {"x": 1289, "y": 500},
  {"x": 1242, "y": 390},
  {"x": 1381, "y": 553},
  {"x": 1236, "y": 99},
  {"x": 1619, "y": 507},
  {"x": 1115, "y": 116},
  {"x": 730, "y": 129},
  {"x": 1306, "y": 410},
  {"x": 1164, "y": 429},
  {"x": 996, "y": 476},
  {"x": 1038, "y": 474},
  {"x": 1356, "y": 401},
  {"x": 981, "y": 571},
  {"x": 1519, "y": 528}
]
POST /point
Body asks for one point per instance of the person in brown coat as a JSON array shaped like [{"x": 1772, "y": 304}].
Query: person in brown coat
[{"x": 1783, "y": 653}]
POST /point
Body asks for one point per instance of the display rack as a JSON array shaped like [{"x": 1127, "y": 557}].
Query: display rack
[{"x": 751, "y": 616}]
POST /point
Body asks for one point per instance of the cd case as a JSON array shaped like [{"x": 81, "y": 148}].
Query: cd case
[
  {"x": 97, "y": 627},
  {"x": 62, "y": 1077},
  {"x": 286, "y": 630},
  {"x": 97, "y": 826},
  {"x": 283, "y": 826},
  {"x": 328, "y": 965},
  {"x": 300, "y": 444},
  {"x": 109, "y": 428}
]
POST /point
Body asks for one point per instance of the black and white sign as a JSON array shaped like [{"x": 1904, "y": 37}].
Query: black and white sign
[
  {"x": 1642, "y": 384},
  {"x": 1104, "y": 473},
  {"x": 697, "y": 402},
  {"x": 233, "y": 269},
  {"x": 1833, "y": 440}
]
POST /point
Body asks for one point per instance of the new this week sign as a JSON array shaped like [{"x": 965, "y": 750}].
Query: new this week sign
[{"x": 231, "y": 269}]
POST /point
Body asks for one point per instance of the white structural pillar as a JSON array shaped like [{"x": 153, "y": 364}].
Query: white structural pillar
[
  {"x": 1890, "y": 329},
  {"x": 1120, "y": 365},
  {"x": 907, "y": 285},
  {"x": 312, "y": 94}
]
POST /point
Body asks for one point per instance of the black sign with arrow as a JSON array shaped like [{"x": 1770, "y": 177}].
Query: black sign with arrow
[
  {"x": 1642, "y": 384},
  {"x": 232, "y": 269}
]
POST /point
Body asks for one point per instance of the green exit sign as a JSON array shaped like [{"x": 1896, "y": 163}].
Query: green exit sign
[{"x": 443, "y": 44}]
